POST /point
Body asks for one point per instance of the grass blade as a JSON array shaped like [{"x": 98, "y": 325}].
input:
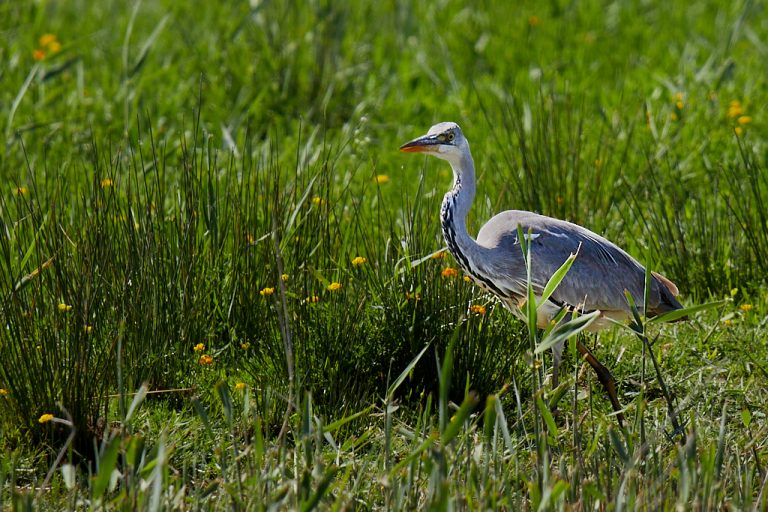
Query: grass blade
[
  {"x": 567, "y": 330},
  {"x": 107, "y": 463},
  {"x": 679, "y": 313},
  {"x": 458, "y": 419},
  {"x": 404, "y": 374},
  {"x": 558, "y": 277}
]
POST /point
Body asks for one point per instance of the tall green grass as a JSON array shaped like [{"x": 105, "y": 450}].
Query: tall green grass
[{"x": 168, "y": 164}]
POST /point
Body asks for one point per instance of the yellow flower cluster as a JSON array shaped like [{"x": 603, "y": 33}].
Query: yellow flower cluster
[
  {"x": 284, "y": 278},
  {"x": 746, "y": 307},
  {"x": 358, "y": 261},
  {"x": 333, "y": 286},
  {"x": 477, "y": 309},
  {"x": 205, "y": 360},
  {"x": 736, "y": 111},
  {"x": 240, "y": 386},
  {"x": 266, "y": 291},
  {"x": 245, "y": 345},
  {"x": 381, "y": 179},
  {"x": 200, "y": 347},
  {"x": 20, "y": 191},
  {"x": 45, "y": 418},
  {"x": 64, "y": 307},
  {"x": 312, "y": 299},
  {"x": 4, "y": 392},
  {"x": 679, "y": 101},
  {"x": 107, "y": 182},
  {"x": 449, "y": 272},
  {"x": 48, "y": 44}
]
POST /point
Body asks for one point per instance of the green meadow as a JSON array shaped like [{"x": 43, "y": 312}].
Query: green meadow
[{"x": 222, "y": 287}]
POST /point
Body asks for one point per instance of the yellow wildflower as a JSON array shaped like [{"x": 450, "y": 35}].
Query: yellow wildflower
[
  {"x": 534, "y": 21},
  {"x": 245, "y": 345},
  {"x": 47, "y": 39},
  {"x": 359, "y": 260},
  {"x": 54, "y": 47},
  {"x": 38, "y": 54},
  {"x": 240, "y": 386},
  {"x": 449, "y": 272},
  {"x": 746, "y": 307},
  {"x": 250, "y": 238},
  {"x": 317, "y": 201},
  {"x": 673, "y": 116},
  {"x": 205, "y": 360},
  {"x": 266, "y": 291},
  {"x": 87, "y": 329},
  {"x": 107, "y": 182},
  {"x": 439, "y": 255},
  {"x": 477, "y": 309},
  {"x": 381, "y": 179},
  {"x": 467, "y": 279},
  {"x": 728, "y": 322},
  {"x": 734, "y": 109},
  {"x": 333, "y": 286},
  {"x": 63, "y": 307},
  {"x": 679, "y": 101},
  {"x": 738, "y": 131},
  {"x": 45, "y": 418},
  {"x": 284, "y": 277},
  {"x": 20, "y": 191},
  {"x": 200, "y": 347},
  {"x": 312, "y": 298},
  {"x": 4, "y": 392},
  {"x": 744, "y": 119}
]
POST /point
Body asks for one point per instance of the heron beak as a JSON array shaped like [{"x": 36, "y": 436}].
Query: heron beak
[{"x": 423, "y": 144}]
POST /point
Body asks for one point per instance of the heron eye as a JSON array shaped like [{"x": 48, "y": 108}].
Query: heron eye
[{"x": 451, "y": 136}]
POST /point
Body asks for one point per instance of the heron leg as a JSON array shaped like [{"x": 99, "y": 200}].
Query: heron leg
[
  {"x": 557, "y": 358},
  {"x": 605, "y": 378}
]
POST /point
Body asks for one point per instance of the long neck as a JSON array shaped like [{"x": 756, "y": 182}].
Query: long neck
[{"x": 453, "y": 214}]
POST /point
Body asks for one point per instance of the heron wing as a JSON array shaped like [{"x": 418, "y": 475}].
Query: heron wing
[{"x": 598, "y": 278}]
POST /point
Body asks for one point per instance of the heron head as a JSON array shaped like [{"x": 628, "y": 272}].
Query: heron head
[{"x": 443, "y": 140}]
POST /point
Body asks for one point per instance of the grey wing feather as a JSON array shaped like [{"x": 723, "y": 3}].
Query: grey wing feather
[{"x": 598, "y": 277}]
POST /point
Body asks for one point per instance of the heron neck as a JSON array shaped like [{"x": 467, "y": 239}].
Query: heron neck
[{"x": 456, "y": 205}]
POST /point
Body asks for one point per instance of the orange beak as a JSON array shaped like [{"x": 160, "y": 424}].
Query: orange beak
[
  {"x": 413, "y": 149},
  {"x": 421, "y": 145}
]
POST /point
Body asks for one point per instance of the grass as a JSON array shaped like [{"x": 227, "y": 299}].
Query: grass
[{"x": 179, "y": 177}]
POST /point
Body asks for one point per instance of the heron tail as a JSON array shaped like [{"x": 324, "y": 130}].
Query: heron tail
[{"x": 667, "y": 301}]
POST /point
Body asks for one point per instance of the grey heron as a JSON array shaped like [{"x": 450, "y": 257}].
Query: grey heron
[{"x": 494, "y": 261}]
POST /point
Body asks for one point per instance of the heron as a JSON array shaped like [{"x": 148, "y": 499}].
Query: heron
[{"x": 597, "y": 281}]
